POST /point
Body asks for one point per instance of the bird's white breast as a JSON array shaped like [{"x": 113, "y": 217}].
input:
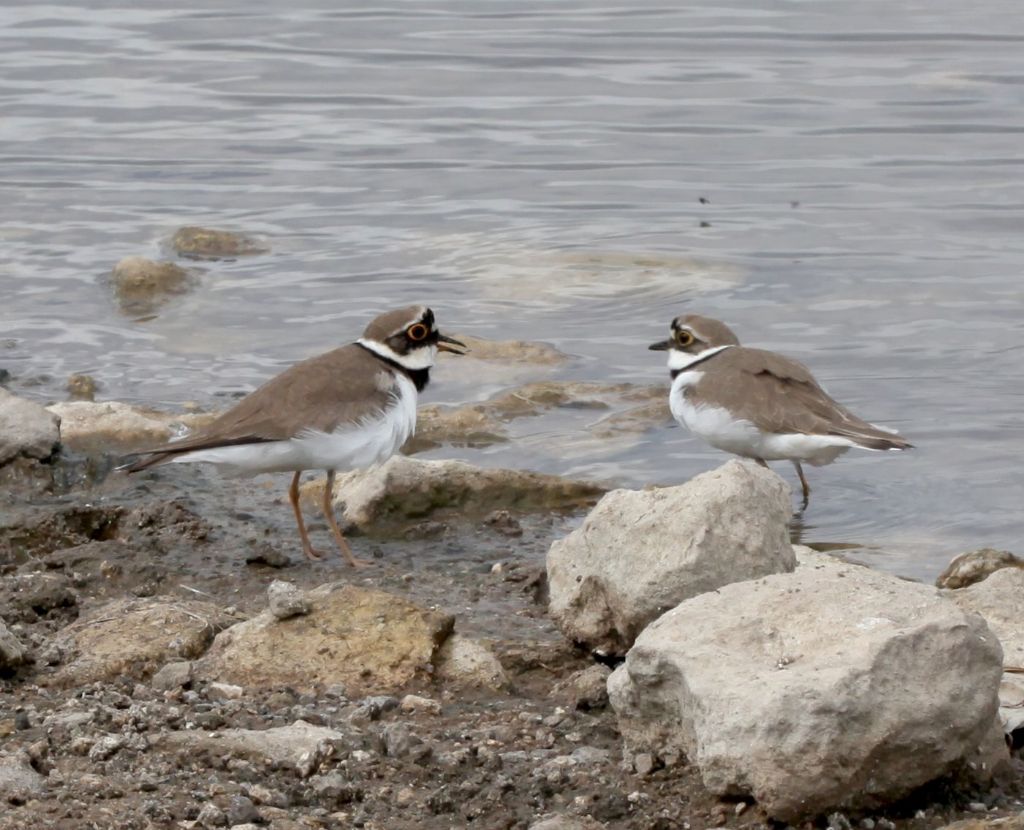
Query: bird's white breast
[
  {"x": 350, "y": 446},
  {"x": 714, "y": 424}
]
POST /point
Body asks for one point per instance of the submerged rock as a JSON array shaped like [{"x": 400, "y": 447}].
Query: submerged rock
[
  {"x": 134, "y": 638},
  {"x": 831, "y": 687},
  {"x": 209, "y": 243},
  {"x": 26, "y": 429},
  {"x": 81, "y": 387},
  {"x": 969, "y": 568},
  {"x": 119, "y": 427},
  {"x": 359, "y": 637},
  {"x": 385, "y": 499},
  {"x": 512, "y": 351},
  {"x": 142, "y": 285},
  {"x": 640, "y": 553}
]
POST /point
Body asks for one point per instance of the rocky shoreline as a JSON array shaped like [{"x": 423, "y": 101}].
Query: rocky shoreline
[{"x": 168, "y": 660}]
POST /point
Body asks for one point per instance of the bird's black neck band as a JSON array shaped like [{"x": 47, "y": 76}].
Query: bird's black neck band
[
  {"x": 419, "y": 377},
  {"x": 674, "y": 373}
]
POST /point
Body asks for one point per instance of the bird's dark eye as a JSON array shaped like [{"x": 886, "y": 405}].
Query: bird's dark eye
[
  {"x": 683, "y": 338},
  {"x": 417, "y": 332}
]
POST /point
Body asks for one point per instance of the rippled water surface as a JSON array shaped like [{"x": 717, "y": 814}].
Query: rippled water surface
[{"x": 841, "y": 181}]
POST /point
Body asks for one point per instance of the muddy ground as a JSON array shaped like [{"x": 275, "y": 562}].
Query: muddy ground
[{"x": 76, "y": 535}]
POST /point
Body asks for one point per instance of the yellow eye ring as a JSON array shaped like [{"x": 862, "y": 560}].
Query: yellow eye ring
[
  {"x": 417, "y": 332},
  {"x": 684, "y": 338}
]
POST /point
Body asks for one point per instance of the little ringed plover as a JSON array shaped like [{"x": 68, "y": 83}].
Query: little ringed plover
[
  {"x": 349, "y": 408},
  {"x": 759, "y": 404}
]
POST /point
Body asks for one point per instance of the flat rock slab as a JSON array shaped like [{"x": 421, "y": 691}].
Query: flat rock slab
[
  {"x": 111, "y": 425},
  {"x": 134, "y": 637},
  {"x": 640, "y": 553},
  {"x": 282, "y": 744},
  {"x": 403, "y": 490},
  {"x": 834, "y": 687},
  {"x": 365, "y": 639}
]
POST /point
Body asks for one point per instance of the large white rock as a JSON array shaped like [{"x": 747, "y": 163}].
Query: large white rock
[
  {"x": 1000, "y": 600},
  {"x": 26, "y": 428},
  {"x": 640, "y": 553},
  {"x": 831, "y": 687}
]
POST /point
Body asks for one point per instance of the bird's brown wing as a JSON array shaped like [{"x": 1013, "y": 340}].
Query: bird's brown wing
[
  {"x": 780, "y": 395},
  {"x": 322, "y": 393}
]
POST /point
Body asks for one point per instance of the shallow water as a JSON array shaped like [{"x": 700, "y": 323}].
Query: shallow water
[{"x": 840, "y": 181}]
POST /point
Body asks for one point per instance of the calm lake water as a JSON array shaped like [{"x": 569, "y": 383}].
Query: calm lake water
[{"x": 843, "y": 182}]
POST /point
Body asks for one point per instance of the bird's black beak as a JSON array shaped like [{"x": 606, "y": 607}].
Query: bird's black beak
[
  {"x": 661, "y": 346},
  {"x": 450, "y": 344}
]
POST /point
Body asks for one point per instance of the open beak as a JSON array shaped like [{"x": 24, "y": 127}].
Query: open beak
[
  {"x": 661, "y": 346},
  {"x": 450, "y": 344}
]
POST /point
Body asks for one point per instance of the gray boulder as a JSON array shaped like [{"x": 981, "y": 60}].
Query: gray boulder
[
  {"x": 832, "y": 687},
  {"x": 640, "y": 553},
  {"x": 26, "y": 429}
]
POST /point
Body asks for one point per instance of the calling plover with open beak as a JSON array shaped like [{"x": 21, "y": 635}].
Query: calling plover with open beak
[
  {"x": 759, "y": 404},
  {"x": 350, "y": 408}
]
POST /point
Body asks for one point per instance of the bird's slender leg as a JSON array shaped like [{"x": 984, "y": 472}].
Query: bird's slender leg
[
  {"x": 804, "y": 485},
  {"x": 293, "y": 497},
  {"x": 339, "y": 537}
]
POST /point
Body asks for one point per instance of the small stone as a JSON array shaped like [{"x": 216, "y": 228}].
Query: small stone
[
  {"x": 172, "y": 676},
  {"x": 311, "y": 761},
  {"x": 375, "y": 705},
  {"x": 269, "y": 555},
  {"x": 867, "y": 823},
  {"x": 261, "y": 794},
  {"x": 211, "y": 816},
  {"x": 399, "y": 740},
  {"x": 977, "y": 807},
  {"x": 106, "y": 747},
  {"x": 224, "y": 691},
  {"x": 838, "y": 821},
  {"x": 643, "y": 763},
  {"x": 976, "y": 566},
  {"x": 586, "y": 689},
  {"x": 242, "y": 811},
  {"x": 286, "y": 600},
  {"x": 415, "y": 704},
  {"x": 740, "y": 807},
  {"x": 504, "y": 523}
]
